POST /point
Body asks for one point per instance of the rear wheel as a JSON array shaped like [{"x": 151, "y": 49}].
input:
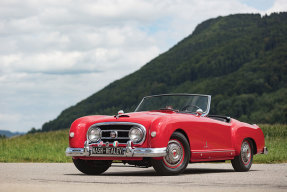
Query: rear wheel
[
  {"x": 177, "y": 157},
  {"x": 243, "y": 161},
  {"x": 92, "y": 167}
]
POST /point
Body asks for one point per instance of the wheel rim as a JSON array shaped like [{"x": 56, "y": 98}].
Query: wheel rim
[
  {"x": 175, "y": 154},
  {"x": 245, "y": 152}
]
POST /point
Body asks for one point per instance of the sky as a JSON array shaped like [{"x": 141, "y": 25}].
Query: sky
[{"x": 53, "y": 54}]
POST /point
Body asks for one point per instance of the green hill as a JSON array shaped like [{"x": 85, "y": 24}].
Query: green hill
[{"x": 241, "y": 60}]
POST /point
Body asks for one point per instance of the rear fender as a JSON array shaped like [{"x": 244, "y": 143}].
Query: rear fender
[{"x": 242, "y": 131}]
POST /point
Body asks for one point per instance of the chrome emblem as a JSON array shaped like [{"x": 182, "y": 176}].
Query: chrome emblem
[
  {"x": 116, "y": 144},
  {"x": 113, "y": 134},
  {"x": 101, "y": 144}
]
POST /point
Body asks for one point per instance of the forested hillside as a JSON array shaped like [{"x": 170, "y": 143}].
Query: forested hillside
[{"x": 241, "y": 60}]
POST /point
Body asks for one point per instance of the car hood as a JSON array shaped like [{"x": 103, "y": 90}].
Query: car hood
[{"x": 143, "y": 118}]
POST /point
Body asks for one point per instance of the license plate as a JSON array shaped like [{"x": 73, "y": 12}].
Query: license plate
[{"x": 108, "y": 150}]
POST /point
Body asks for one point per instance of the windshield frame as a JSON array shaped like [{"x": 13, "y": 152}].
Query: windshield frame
[{"x": 180, "y": 94}]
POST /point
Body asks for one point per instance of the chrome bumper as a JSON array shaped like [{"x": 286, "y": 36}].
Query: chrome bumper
[
  {"x": 128, "y": 152},
  {"x": 265, "y": 151}
]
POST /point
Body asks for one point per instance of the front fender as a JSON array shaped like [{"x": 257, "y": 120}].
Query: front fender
[
  {"x": 163, "y": 129},
  {"x": 80, "y": 127}
]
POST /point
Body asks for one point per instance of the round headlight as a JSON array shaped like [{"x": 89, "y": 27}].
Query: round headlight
[
  {"x": 136, "y": 135},
  {"x": 94, "y": 134}
]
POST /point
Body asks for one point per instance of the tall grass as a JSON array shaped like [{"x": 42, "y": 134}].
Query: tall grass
[
  {"x": 50, "y": 146},
  {"x": 276, "y": 142},
  {"x": 38, "y": 147},
  {"x": 276, "y": 130}
]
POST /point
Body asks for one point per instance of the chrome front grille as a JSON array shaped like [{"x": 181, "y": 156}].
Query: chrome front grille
[
  {"x": 122, "y": 136},
  {"x": 116, "y": 131}
]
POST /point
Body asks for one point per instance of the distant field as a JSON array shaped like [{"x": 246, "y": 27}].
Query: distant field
[
  {"x": 38, "y": 147},
  {"x": 50, "y": 146},
  {"x": 276, "y": 142}
]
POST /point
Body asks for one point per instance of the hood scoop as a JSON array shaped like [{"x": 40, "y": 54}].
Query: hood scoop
[{"x": 121, "y": 113}]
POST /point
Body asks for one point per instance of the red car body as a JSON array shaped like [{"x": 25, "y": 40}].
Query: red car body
[{"x": 210, "y": 138}]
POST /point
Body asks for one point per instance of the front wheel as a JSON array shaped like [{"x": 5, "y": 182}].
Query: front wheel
[
  {"x": 92, "y": 167},
  {"x": 177, "y": 157},
  {"x": 243, "y": 162}
]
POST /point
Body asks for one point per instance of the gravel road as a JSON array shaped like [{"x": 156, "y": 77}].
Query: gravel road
[{"x": 32, "y": 177}]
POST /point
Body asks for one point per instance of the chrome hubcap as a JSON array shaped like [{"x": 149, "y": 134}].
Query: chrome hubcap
[
  {"x": 174, "y": 154},
  {"x": 245, "y": 152}
]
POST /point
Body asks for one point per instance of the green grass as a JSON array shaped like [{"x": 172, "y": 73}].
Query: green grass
[
  {"x": 50, "y": 146},
  {"x": 38, "y": 147},
  {"x": 276, "y": 142}
]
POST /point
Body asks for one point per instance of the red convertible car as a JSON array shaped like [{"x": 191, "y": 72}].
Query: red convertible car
[{"x": 167, "y": 132}]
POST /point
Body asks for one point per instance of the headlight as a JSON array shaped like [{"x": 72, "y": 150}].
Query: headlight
[
  {"x": 94, "y": 134},
  {"x": 136, "y": 135}
]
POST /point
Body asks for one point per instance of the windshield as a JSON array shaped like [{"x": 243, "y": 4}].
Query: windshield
[{"x": 179, "y": 103}]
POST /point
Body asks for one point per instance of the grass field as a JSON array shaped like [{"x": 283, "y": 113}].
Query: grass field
[
  {"x": 38, "y": 147},
  {"x": 276, "y": 142},
  {"x": 50, "y": 146}
]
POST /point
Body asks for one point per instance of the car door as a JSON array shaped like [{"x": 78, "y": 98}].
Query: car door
[{"x": 210, "y": 140}]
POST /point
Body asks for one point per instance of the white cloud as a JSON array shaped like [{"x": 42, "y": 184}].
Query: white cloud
[
  {"x": 278, "y": 6},
  {"x": 9, "y": 117},
  {"x": 55, "y": 53}
]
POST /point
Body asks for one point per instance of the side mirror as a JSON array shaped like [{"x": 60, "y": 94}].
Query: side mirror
[{"x": 199, "y": 112}]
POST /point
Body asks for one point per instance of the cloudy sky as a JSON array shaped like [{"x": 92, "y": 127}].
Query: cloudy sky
[{"x": 54, "y": 53}]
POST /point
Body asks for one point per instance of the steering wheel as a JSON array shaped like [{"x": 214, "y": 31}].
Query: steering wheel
[{"x": 185, "y": 108}]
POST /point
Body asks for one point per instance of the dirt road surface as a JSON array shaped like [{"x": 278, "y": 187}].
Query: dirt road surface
[{"x": 64, "y": 177}]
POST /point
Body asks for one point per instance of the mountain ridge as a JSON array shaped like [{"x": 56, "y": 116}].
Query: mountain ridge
[
  {"x": 239, "y": 59},
  {"x": 7, "y": 133}
]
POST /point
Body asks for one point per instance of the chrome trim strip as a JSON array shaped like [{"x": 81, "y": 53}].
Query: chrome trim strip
[
  {"x": 108, "y": 130},
  {"x": 170, "y": 94},
  {"x": 208, "y": 106},
  {"x": 213, "y": 151},
  {"x": 128, "y": 152},
  {"x": 116, "y": 123},
  {"x": 115, "y": 138},
  {"x": 110, "y": 142}
]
